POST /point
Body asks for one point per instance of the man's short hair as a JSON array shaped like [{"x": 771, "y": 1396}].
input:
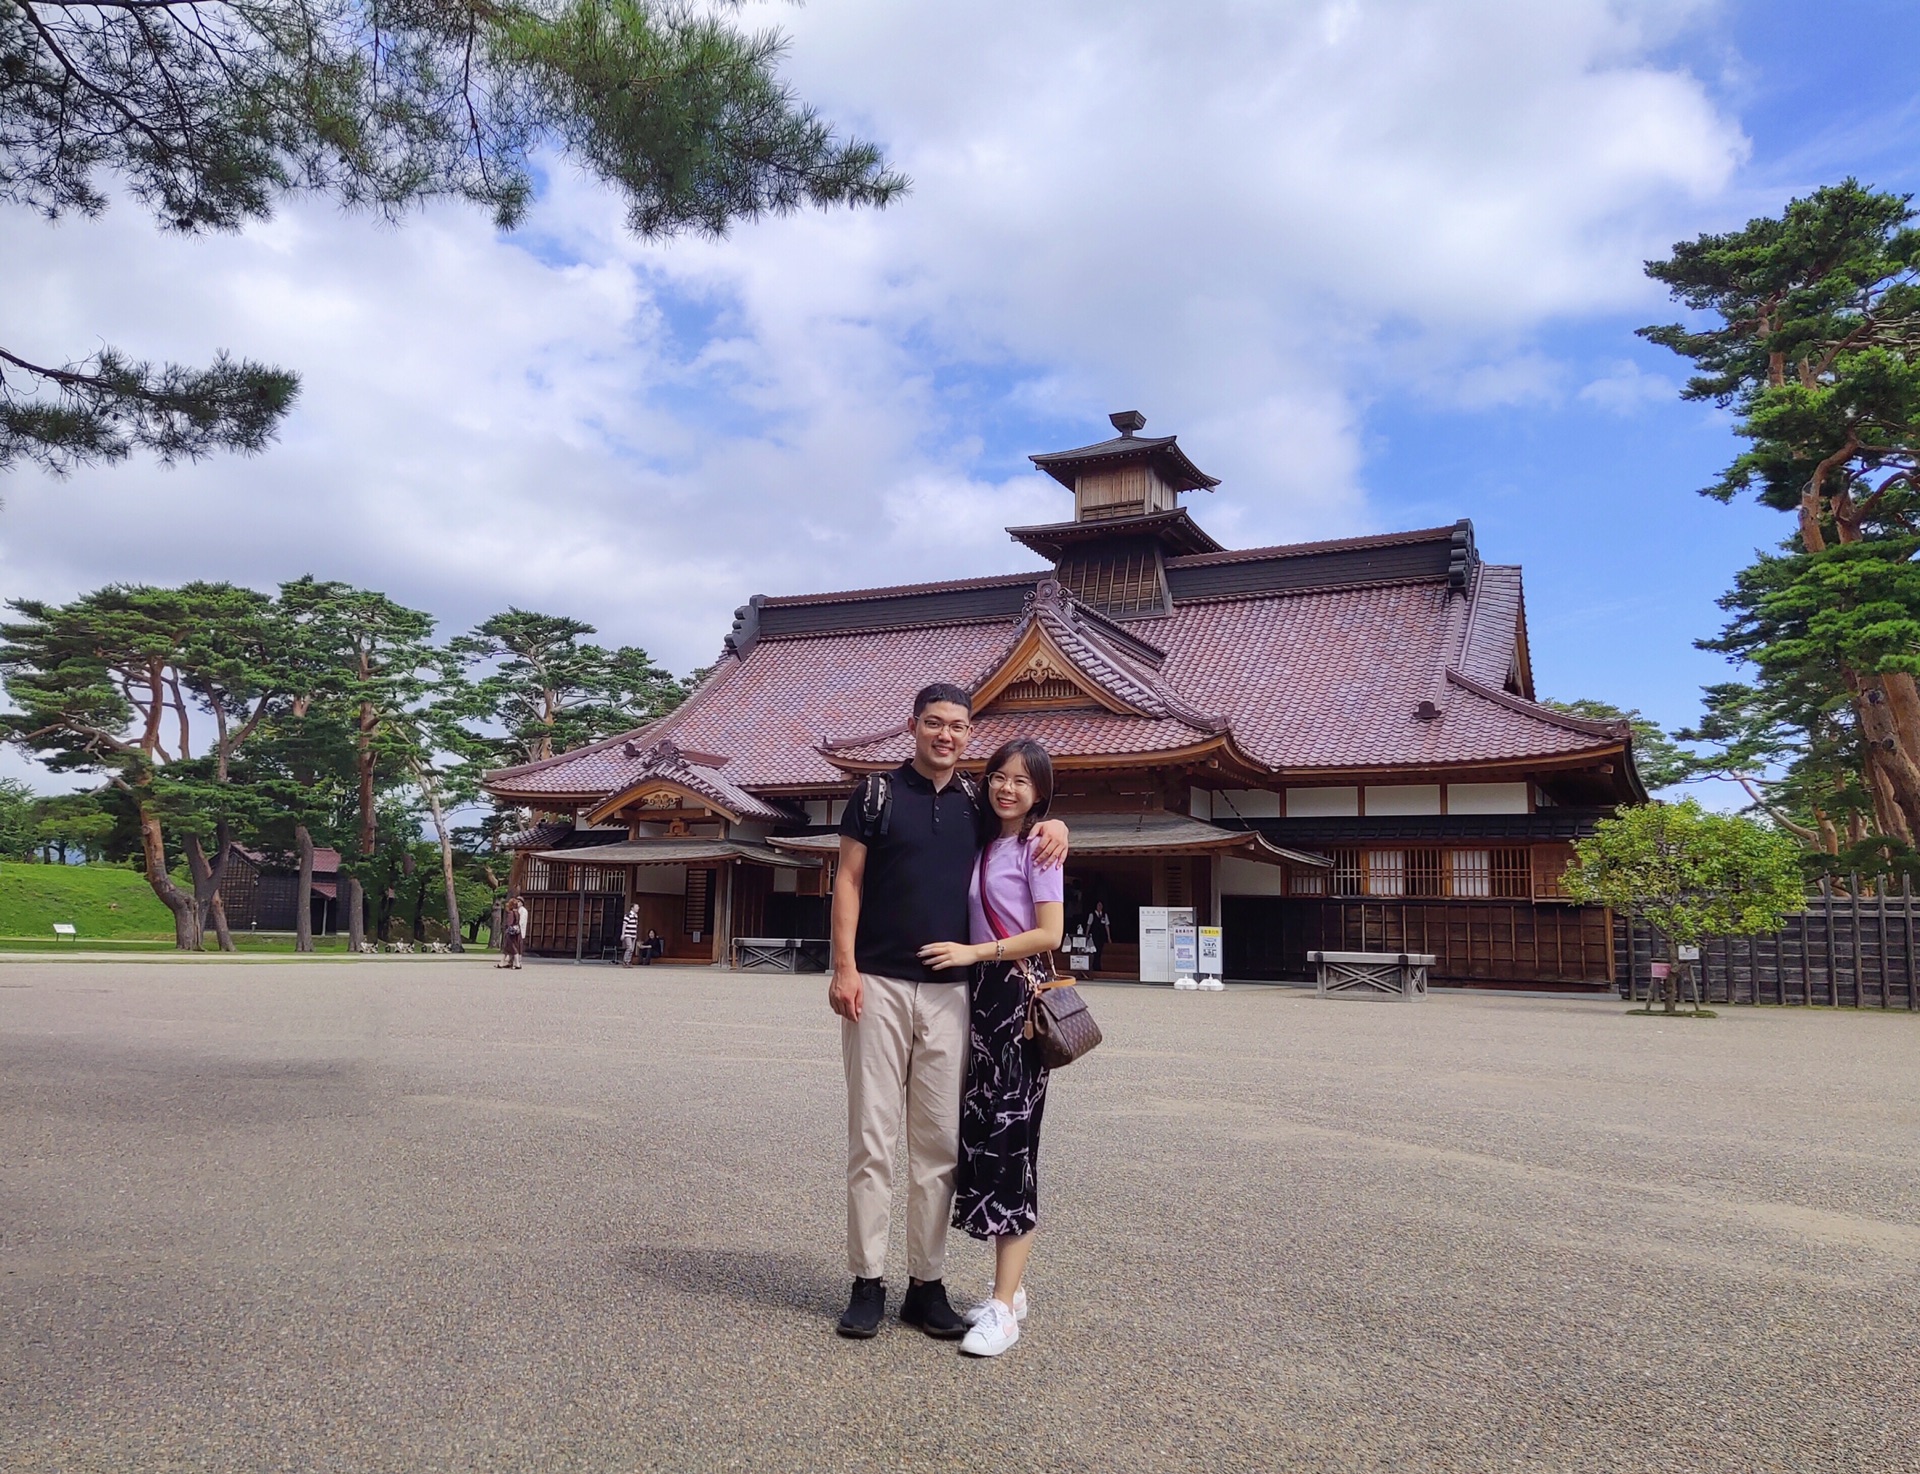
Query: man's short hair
[{"x": 942, "y": 691}]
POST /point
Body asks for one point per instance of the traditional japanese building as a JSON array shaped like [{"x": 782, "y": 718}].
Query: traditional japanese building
[{"x": 1331, "y": 744}]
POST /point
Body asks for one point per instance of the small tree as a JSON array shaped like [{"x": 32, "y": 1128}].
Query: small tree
[{"x": 1690, "y": 874}]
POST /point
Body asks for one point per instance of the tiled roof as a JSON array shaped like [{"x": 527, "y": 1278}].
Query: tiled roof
[
  {"x": 665, "y": 762},
  {"x": 537, "y": 837},
  {"x": 1326, "y": 678},
  {"x": 1062, "y": 733},
  {"x": 1118, "y": 663},
  {"x": 1487, "y": 653},
  {"x": 326, "y": 861}
]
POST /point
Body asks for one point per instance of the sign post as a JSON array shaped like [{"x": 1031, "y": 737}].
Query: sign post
[
  {"x": 1156, "y": 940},
  {"x": 1212, "y": 959},
  {"x": 1186, "y": 956}
]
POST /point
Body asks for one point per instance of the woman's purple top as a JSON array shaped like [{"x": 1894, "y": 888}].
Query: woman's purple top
[{"x": 1016, "y": 884}]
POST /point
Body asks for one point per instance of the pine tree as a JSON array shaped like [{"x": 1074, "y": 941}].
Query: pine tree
[{"x": 209, "y": 113}]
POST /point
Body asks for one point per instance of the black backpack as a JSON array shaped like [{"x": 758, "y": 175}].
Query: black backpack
[{"x": 874, "y": 797}]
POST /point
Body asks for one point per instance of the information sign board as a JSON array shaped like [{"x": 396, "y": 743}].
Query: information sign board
[{"x": 1212, "y": 953}]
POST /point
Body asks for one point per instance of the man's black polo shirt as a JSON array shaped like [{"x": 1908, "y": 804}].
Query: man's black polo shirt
[{"x": 915, "y": 890}]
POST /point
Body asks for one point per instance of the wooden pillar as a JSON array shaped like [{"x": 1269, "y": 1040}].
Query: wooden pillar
[{"x": 723, "y": 910}]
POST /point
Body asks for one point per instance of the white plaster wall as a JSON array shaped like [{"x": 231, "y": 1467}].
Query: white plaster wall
[
  {"x": 1246, "y": 803},
  {"x": 661, "y": 880},
  {"x": 1486, "y": 798},
  {"x": 1250, "y": 878},
  {"x": 1323, "y": 803},
  {"x": 1404, "y": 798}
]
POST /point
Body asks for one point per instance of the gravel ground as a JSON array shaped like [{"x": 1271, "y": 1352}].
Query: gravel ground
[{"x": 413, "y": 1214}]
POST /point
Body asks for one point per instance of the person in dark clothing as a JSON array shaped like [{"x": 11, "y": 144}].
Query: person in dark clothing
[
  {"x": 905, "y": 866},
  {"x": 1099, "y": 932}
]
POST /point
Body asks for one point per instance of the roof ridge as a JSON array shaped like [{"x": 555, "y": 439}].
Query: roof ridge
[
  {"x": 660, "y": 726},
  {"x": 1538, "y": 711},
  {"x": 1307, "y": 549},
  {"x": 903, "y": 590}
]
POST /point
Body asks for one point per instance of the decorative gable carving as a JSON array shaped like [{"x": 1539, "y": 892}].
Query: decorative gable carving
[{"x": 1037, "y": 677}]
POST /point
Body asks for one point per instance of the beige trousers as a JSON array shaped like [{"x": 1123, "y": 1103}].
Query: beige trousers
[{"x": 906, "y": 1057}]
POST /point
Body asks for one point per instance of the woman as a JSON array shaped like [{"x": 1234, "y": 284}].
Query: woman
[
  {"x": 513, "y": 942},
  {"x": 1016, "y": 912}
]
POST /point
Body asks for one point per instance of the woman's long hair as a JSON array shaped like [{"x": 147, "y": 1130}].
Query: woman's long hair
[{"x": 1039, "y": 770}]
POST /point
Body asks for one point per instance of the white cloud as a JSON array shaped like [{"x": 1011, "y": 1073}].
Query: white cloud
[
  {"x": 1626, "y": 388},
  {"x": 1244, "y": 219}
]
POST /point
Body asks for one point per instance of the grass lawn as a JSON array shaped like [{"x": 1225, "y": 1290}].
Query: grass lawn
[
  {"x": 104, "y": 902},
  {"x": 111, "y": 907}
]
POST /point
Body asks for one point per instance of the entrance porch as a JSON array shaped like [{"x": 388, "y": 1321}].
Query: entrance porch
[{"x": 696, "y": 893}]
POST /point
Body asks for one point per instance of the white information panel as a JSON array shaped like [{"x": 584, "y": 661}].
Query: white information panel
[
  {"x": 1212, "y": 953},
  {"x": 1156, "y": 940},
  {"x": 1186, "y": 951}
]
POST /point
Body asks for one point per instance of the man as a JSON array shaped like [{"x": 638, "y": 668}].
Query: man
[
  {"x": 908, "y": 843},
  {"x": 630, "y": 935},
  {"x": 1099, "y": 932}
]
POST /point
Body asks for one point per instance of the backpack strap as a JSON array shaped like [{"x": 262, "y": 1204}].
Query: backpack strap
[{"x": 876, "y": 804}]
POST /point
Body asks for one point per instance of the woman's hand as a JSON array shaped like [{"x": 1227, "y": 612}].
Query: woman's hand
[{"x": 943, "y": 955}]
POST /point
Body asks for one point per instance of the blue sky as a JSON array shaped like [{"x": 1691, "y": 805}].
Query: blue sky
[
  {"x": 1623, "y": 560},
  {"x": 1376, "y": 261}
]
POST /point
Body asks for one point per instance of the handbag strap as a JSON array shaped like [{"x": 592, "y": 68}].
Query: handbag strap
[{"x": 998, "y": 926}]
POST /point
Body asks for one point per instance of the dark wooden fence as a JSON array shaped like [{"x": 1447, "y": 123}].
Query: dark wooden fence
[
  {"x": 1524, "y": 944},
  {"x": 1846, "y": 950}
]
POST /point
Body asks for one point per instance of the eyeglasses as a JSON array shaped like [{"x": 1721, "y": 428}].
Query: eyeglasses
[
  {"x": 933, "y": 727},
  {"x": 1010, "y": 780}
]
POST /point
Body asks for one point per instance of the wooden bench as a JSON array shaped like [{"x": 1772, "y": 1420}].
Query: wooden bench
[
  {"x": 1401, "y": 975},
  {"x": 781, "y": 954}
]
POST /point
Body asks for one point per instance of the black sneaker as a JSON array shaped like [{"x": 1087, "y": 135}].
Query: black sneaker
[
  {"x": 865, "y": 1309},
  {"x": 926, "y": 1306}
]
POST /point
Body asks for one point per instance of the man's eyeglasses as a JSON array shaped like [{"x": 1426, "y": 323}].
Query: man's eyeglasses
[{"x": 933, "y": 727}]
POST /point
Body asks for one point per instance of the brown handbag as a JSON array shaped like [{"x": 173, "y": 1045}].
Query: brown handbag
[
  {"x": 1059, "y": 1018},
  {"x": 1056, "y": 1013}
]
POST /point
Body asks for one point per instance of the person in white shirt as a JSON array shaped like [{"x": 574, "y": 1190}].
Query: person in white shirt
[
  {"x": 630, "y": 935},
  {"x": 513, "y": 941}
]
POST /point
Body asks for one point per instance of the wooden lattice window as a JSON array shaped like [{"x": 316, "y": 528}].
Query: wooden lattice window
[
  {"x": 1347, "y": 873},
  {"x": 543, "y": 875},
  {"x": 1041, "y": 693},
  {"x": 1386, "y": 873},
  {"x": 1470, "y": 873},
  {"x": 599, "y": 878},
  {"x": 1177, "y": 883},
  {"x": 1423, "y": 872},
  {"x": 1512, "y": 874},
  {"x": 1116, "y": 580},
  {"x": 1304, "y": 880},
  {"x": 698, "y": 920}
]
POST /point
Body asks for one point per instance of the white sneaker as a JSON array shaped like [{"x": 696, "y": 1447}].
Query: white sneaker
[
  {"x": 973, "y": 1313},
  {"x": 993, "y": 1333}
]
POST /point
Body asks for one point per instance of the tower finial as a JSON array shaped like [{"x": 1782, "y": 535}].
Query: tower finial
[{"x": 1127, "y": 421}]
